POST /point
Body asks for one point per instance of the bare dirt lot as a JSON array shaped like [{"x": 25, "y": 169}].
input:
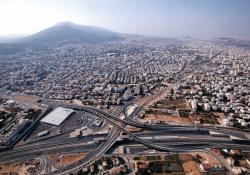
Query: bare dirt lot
[
  {"x": 26, "y": 99},
  {"x": 221, "y": 117},
  {"x": 189, "y": 166},
  {"x": 179, "y": 103},
  {"x": 21, "y": 167},
  {"x": 77, "y": 102},
  {"x": 190, "y": 118},
  {"x": 207, "y": 158},
  {"x": 168, "y": 118},
  {"x": 68, "y": 159}
]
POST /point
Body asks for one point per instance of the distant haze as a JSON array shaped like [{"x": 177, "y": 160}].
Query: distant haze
[{"x": 164, "y": 18}]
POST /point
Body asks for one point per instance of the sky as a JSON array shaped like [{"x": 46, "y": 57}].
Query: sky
[{"x": 163, "y": 18}]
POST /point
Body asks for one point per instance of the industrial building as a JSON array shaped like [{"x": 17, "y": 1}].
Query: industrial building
[{"x": 57, "y": 116}]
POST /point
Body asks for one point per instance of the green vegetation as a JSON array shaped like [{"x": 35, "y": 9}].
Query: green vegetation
[
  {"x": 152, "y": 158},
  {"x": 171, "y": 164},
  {"x": 105, "y": 164}
]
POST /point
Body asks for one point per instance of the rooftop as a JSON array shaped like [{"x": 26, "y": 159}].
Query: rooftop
[{"x": 57, "y": 116}]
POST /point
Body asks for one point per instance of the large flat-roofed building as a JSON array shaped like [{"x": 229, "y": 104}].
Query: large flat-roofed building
[{"x": 57, "y": 116}]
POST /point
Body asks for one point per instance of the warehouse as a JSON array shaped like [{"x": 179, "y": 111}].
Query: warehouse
[{"x": 57, "y": 116}]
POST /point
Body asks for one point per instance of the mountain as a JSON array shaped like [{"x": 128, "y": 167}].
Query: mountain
[
  {"x": 65, "y": 32},
  {"x": 69, "y": 32}
]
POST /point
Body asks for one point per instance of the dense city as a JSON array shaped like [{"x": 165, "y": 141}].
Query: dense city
[
  {"x": 138, "y": 106},
  {"x": 110, "y": 74}
]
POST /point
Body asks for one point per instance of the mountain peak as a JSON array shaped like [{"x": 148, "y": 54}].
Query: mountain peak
[
  {"x": 65, "y": 23},
  {"x": 70, "y": 32}
]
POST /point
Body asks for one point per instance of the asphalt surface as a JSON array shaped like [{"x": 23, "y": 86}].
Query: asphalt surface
[{"x": 168, "y": 138}]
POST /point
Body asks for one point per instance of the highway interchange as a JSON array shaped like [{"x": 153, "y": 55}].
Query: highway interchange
[
  {"x": 165, "y": 137},
  {"x": 169, "y": 138}
]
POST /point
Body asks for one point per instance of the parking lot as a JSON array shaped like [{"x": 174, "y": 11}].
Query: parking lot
[{"x": 84, "y": 120}]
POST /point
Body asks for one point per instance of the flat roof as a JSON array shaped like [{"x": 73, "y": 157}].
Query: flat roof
[{"x": 57, "y": 116}]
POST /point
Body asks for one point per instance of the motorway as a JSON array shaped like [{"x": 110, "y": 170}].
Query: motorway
[
  {"x": 96, "y": 153},
  {"x": 173, "y": 138},
  {"x": 164, "y": 137},
  {"x": 153, "y": 143},
  {"x": 168, "y": 138}
]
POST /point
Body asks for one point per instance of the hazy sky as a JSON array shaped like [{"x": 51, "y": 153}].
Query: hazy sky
[{"x": 198, "y": 18}]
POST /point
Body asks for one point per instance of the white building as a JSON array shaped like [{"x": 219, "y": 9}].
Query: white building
[{"x": 57, "y": 116}]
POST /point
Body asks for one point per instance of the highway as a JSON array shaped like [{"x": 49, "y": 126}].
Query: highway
[
  {"x": 95, "y": 154},
  {"x": 166, "y": 143},
  {"x": 168, "y": 138},
  {"x": 114, "y": 121}
]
